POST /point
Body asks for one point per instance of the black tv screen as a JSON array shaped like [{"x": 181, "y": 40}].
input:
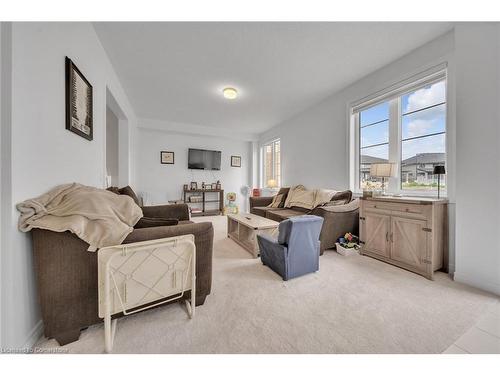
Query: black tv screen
[{"x": 204, "y": 159}]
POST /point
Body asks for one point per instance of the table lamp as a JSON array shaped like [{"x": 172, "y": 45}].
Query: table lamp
[
  {"x": 272, "y": 183},
  {"x": 439, "y": 170},
  {"x": 383, "y": 170}
]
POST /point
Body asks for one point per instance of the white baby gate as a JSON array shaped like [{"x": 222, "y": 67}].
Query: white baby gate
[{"x": 137, "y": 276}]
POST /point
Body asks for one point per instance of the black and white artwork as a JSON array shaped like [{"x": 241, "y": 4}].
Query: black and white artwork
[{"x": 79, "y": 99}]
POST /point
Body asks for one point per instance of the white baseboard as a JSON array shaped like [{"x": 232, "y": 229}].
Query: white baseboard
[
  {"x": 34, "y": 335},
  {"x": 480, "y": 283}
]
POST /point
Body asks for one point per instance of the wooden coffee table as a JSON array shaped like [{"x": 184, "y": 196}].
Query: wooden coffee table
[{"x": 243, "y": 228}]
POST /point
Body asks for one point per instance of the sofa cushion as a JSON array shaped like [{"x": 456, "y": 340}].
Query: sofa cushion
[
  {"x": 148, "y": 222},
  {"x": 300, "y": 209},
  {"x": 282, "y": 214},
  {"x": 261, "y": 211}
]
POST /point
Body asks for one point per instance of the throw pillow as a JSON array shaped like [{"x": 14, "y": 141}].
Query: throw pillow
[
  {"x": 114, "y": 189},
  {"x": 343, "y": 197},
  {"x": 127, "y": 190},
  {"x": 323, "y": 196},
  {"x": 302, "y": 199},
  {"x": 277, "y": 200},
  {"x": 148, "y": 222},
  {"x": 291, "y": 192},
  {"x": 283, "y": 191},
  {"x": 335, "y": 203}
]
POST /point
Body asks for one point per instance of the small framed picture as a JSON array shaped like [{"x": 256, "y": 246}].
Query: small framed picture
[
  {"x": 236, "y": 161},
  {"x": 167, "y": 157},
  {"x": 193, "y": 185},
  {"x": 214, "y": 186}
]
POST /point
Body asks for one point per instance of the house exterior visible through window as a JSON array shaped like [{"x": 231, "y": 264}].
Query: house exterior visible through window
[
  {"x": 271, "y": 164},
  {"x": 406, "y": 126}
]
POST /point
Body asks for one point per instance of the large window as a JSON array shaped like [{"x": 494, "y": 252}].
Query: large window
[
  {"x": 271, "y": 155},
  {"x": 406, "y": 127}
]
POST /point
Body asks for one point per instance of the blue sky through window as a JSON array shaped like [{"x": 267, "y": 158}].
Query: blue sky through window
[{"x": 423, "y": 122}]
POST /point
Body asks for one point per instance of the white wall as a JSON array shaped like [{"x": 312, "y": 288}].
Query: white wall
[
  {"x": 44, "y": 153},
  {"x": 5, "y": 165},
  {"x": 112, "y": 146},
  {"x": 478, "y": 144},
  {"x": 163, "y": 182}
]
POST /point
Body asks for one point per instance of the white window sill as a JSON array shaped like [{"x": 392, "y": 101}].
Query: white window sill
[{"x": 413, "y": 194}]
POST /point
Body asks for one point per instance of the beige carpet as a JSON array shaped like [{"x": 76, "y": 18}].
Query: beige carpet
[{"x": 352, "y": 305}]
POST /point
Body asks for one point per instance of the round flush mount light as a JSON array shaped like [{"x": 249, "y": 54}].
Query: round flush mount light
[{"x": 230, "y": 93}]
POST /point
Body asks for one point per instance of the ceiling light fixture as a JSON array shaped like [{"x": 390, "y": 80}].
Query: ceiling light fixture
[{"x": 230, "y": 93}]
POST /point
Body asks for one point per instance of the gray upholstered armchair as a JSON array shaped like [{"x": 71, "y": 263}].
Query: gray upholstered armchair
[{"x": 296, "y": 250}]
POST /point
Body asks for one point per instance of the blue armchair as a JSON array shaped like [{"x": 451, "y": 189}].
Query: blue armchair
[{"x": 296, "y": 250}]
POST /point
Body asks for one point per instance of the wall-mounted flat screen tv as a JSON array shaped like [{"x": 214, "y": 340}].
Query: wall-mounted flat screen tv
[{"x": 204, "y": 159}]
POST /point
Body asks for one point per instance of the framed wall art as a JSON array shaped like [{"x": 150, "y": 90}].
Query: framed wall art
[
  {"x": 79, "y": 102},
  {"x": 167, "y": 157},
  {"x": 236, "y": 161}
]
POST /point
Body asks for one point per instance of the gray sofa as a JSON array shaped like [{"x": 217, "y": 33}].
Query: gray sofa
[{"x": 341, "y": 215}]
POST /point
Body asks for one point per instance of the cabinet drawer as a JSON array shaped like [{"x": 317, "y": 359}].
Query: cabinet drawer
[{"x": 398, "y": 207}]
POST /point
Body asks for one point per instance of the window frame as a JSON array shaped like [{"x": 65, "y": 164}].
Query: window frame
[
  {"x": 394, "y": 98},
  {"x": 271, "y": 143}
]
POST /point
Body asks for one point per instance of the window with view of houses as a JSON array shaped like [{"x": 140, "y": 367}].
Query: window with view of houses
[
  {"x": 409, "y": 129},
  {"x": 271, "y": 163}
]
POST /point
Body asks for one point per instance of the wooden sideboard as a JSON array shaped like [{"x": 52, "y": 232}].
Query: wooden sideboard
[{"x": 407, "y": 232}]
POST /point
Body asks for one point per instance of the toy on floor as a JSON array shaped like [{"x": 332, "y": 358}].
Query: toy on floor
[
  {"x": 348, "y": 244},
  {"x": 231, "y": 207}
]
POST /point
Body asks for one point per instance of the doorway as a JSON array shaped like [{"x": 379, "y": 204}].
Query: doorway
[
  {"x": 117, "y": 144},
  {"x": 112, "y": 148}
]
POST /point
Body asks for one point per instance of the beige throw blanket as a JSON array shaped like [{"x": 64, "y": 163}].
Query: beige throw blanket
[
  {"x": 99, "y": 217},
  {"x": 299, "y": 196}
]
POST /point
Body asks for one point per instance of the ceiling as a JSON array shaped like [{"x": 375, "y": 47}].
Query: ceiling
[{"x": 176, "y": 71}]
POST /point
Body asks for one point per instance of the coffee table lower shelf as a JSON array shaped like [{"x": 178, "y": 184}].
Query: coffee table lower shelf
[{"x": 244, "y": 228}]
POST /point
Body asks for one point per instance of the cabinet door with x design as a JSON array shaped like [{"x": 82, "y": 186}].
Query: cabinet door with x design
[
  {"x": 375, "y": 233},
  {"x": 409, "y": 242}
]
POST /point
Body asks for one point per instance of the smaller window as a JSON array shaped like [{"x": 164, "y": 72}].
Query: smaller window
[{"x": 271, "y": 165}]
